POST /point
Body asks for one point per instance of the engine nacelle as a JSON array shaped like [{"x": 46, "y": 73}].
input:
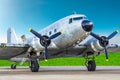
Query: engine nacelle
[
  {"x": 35, "y": 43},
  {"x": 39, "y": 44},
  {"x": 94, "y": 46}
]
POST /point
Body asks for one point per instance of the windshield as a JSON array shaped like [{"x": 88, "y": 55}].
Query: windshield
[
  {"x": 76, "y": 19},
  {"x": 79, "y": 18}
]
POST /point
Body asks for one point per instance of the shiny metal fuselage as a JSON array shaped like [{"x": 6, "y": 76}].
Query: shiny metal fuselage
[{"x": 72, "y": 32}]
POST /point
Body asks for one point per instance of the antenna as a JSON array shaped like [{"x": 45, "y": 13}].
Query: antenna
[{"x": 74, "y": 12}]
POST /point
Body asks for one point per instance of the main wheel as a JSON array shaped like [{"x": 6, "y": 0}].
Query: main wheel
[
  {"x": 13, "y": 66},
  {"x": 91, "y": 66},
  {"x": 34, "y": 66}
]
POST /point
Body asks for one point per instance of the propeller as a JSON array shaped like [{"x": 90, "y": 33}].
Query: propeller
[
  {"x": 104, "y": 41},
  {"x": 45, "y": 40}
]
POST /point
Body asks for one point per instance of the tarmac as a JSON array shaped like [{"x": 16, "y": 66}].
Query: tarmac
[{"x": 61, "y": 73}]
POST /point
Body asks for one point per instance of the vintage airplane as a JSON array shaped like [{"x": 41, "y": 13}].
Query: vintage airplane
[{"x": 61, "y": 39}]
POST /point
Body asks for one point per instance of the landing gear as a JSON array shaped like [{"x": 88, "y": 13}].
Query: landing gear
[
  {"x": 34, "y": 66},
  {"x": 13, "y": 66},
  {"x": 90, "y": 63},
  {"x": 91, "y": 66}
]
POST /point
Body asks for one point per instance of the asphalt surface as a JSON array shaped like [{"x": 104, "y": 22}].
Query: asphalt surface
[{"x": 61, "y": 73}]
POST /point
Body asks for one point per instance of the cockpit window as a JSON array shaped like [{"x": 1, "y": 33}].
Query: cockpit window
[
  {"x": 76, "y": 18},
  {"x": 70, "y": 20},
  {"x": 79, "y": 18}
]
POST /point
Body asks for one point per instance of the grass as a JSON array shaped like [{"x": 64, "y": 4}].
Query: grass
[{"x": 114, "y": 60}]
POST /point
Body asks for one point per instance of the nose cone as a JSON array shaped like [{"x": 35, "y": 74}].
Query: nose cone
[{"x": 87, "y": 25}]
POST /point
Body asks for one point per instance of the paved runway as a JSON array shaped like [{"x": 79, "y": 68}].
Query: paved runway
[{"x": 61, "y": 73}]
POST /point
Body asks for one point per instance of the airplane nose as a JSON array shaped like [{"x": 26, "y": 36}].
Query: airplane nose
[{"x": 87, "y": 25}]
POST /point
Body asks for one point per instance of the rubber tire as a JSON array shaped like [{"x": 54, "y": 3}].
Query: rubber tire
[
  {"x": 34, "y": 66},
  {"x": 13, "y": 66},
  {"x": 91, "y": 66}
]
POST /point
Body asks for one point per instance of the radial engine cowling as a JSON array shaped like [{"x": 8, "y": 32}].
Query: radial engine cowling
[
  {"x": 39, "y": 44},
  {"x": 95, "y": 46}
]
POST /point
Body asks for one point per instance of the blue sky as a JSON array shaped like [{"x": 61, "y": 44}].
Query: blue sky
[{"x": 22, "y": 14}]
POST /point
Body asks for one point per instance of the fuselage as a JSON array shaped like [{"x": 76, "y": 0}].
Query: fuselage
[{"x": 75, "y": 28}]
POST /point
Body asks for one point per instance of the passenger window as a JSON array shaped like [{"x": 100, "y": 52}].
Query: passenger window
[
  {"x": 70, "y": 20},
  {"x": 50, "y": 33},
  {"x": 45, "y": 33},
  {"x": 55, "y": 30}
]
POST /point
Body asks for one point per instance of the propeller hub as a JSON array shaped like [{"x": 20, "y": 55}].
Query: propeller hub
[
  {"x": 103, "y": 42},
  {"x": 45, "y": 41}
]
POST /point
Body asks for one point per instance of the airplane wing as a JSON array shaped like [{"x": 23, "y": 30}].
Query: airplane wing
[
  {"x": 84, "y": 48},
  {"x": 80, "y": 50},
  {"x": 8, "y": 51},
  {"x": 68, "y": 52},
  {"x": 114, "y": 48}
]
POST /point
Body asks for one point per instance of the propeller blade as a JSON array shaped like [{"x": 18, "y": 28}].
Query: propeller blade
[
  {"x": 106, "y": 53},
  {"x": 105, "y": 41},
  {"x": 46, "y": 53},
  {"x": 95, "y": 36},
  {"x": 55, "y": 35},
  {"x": 35, "y": 33},
  {"x": 112, "y": 35}
]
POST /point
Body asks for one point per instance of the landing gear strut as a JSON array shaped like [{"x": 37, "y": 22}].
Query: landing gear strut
[
  {"x": 13, "y": 66},
  {"x": 90, "y": 63},
  {"x": 34, "y": 66}
]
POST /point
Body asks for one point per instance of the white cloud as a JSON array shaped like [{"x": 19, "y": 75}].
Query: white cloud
[
  {"x": 115, "y": 40},
  {"x": 3, "y": 40}
]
